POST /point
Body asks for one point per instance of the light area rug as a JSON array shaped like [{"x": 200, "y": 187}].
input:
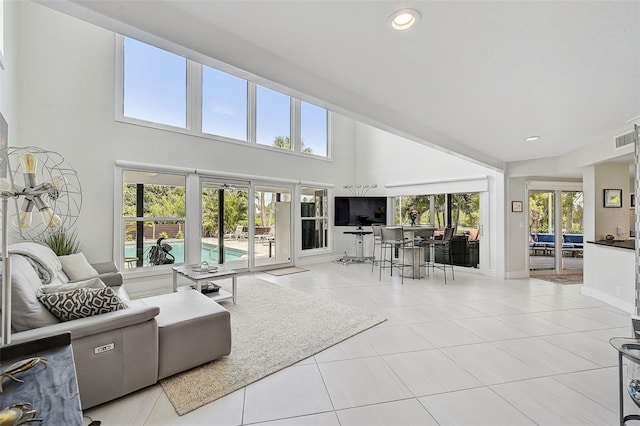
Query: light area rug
[
  {"x": 285, "y": 271},
  {"x": 272, "y": 327},
  {"x": 562, "y": 278}
]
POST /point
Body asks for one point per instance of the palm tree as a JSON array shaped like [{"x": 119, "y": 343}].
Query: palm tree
[{"x": 285, "y": 143}]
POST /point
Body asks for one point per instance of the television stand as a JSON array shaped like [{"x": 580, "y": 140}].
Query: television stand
[{"x": 359, "y": 257}]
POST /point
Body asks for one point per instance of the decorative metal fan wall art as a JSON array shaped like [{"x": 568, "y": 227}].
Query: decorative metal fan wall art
[{"x": 44, "y": 191}]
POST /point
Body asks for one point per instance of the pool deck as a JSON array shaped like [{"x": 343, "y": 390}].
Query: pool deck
[{"x": 261, "y": 251}]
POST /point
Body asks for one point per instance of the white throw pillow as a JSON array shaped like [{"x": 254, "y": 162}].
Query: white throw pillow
[
  {"x": 77, "y": 267},
  {"x": 57, "y": 288},
  {"x": 26, "y": 311}
]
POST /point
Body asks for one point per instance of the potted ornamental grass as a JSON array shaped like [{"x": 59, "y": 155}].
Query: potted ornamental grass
[{"x": 62, "y": 241}]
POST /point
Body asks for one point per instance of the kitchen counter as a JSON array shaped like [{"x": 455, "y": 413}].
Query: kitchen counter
[
  {"x": 625, "y": 244},
  {"x": 609, "y": 273}
]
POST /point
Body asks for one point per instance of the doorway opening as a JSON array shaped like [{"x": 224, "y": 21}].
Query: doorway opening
[{"x": 556, "y": 232}]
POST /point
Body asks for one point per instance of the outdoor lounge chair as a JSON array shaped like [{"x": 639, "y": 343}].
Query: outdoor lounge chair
[
  {"x": 267, "y": 237},
  {"x": 240, "y": 233},
  {"x": 545, "y": 242}
]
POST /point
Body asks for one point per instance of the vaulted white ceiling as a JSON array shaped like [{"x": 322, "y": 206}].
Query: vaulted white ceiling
[{"x": 474, "y": 77}]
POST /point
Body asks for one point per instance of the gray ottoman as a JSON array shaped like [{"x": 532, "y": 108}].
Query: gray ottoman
[{"x": 192, "y": 330}]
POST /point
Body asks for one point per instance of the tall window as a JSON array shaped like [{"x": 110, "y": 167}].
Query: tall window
[
  {"x": 464, "y": 209},
  {"x": 404, "y": 205},
  {"x": 314, "y": 213},
  {"x": 273, "y": 118},
  {"x": 155, "y": 84},
  {"x": 313, "y": 129},
  {"x": 153, "y": 208},
  {"x": 155, "y": 87},
  {"x": 224, "y": 104}
]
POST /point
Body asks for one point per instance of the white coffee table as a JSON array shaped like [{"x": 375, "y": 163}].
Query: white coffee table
[{"x": 198, "y": 277}]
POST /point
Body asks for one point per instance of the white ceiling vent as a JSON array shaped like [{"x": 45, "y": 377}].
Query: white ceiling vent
[{"x": 623, "y": 140}]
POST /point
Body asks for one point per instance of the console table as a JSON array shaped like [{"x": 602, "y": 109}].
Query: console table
[{"x": 52, "y": 391}]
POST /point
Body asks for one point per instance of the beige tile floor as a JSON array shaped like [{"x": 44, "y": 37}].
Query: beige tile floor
[{"x": 477, "y": 351}]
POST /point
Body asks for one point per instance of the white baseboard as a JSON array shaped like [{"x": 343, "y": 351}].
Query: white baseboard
[
  {"x": 312, "y": 260},
  {"x": 517, "y": 274},
  {"x": 609, "y": 299}
]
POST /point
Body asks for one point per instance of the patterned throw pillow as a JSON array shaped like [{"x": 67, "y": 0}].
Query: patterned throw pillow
[{"x": 81, "y": 303}]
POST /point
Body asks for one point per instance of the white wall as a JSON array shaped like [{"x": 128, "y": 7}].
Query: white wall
[
  {"x": 66, "y": 104},
  {"x": 517, "y": 225},
  {"x": 384, "y": 158},
  {"x": 607, "y": 220},
  {"x": 609, "y": 275},
  {"x": 8, "y": 74},
  {"x": 589, "y": 200}
]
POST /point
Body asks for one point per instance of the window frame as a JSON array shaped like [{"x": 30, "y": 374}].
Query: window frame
[
  {"x": 193, "y": 211},
  {"x": 120, "y": 220},
  {"x": 298, "y": 126},
  {"x": 199, "y": 113},
  {"x": 327, "y": 216},
  {"x": 194, "y": 108}
]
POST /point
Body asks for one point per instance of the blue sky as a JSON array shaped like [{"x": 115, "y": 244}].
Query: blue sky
[
  {"x": 155, "y": 84},
  {"x": 155, "y": 90}
]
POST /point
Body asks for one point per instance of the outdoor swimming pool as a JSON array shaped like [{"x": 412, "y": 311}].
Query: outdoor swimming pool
[{"x": 209, "y": 252}]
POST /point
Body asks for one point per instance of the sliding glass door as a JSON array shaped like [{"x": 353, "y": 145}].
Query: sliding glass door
[
  {"x": 245, "y": 224},
  {"x": 555, "y": 232},
  {"x": 542, "y": 239},
  {"x": 225, "y": 223},
  {"x": 572, "y": 230}
]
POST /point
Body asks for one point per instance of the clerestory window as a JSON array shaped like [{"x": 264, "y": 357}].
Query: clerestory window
[
  {"x": 157, "y": 88},
  {"x": 155, "y": 84}
]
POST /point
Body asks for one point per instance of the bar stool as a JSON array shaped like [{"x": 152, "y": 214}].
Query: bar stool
[
  {"x": 377, "y": 241},
  {"x": 443, "y": 247},
  {"x": 392, "y": 239}
]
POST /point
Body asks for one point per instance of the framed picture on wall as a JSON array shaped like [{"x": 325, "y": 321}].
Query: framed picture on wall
[
  {"x": 516, "y": 206},
  {"x": 612, "y": 198}
]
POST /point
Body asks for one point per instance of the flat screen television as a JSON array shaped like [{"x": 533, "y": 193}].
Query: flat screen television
[{"x": 360, "y": 211}]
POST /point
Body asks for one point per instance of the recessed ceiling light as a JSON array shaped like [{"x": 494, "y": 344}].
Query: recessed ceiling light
[
  {"x": 532, "y": 138},
  {"x": 404, "y": 19}
]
